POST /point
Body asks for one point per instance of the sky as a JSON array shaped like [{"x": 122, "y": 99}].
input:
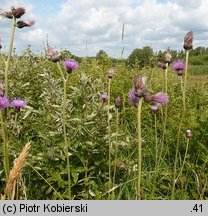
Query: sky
[{"x": 86, "y": 26}]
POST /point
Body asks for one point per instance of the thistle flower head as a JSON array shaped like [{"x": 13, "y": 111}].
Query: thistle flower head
[
  {"x": 139, "y": 86},
  {"x": 18, "y": 103},
  {"x": 22, "y": 24},
  {"x": 179, "y": 66},
  {"x": 154, "y": 108},
  {"x": 53, "y": 54},
  {"x": 104, "y": 97},
  {"x": 160, "y": 98},
  {"x": 4, "y": 102},
  {"x": 188, "y": 41},
  {"x": 161, "y": 65},
  {"x": 18, "y": 12},
  {"x": 133, "y": 97},
  {"x": 168, "y": 57},
  {"x": 111, "y": 73},
  {"x": 70, "y": 65},
  {"x": 14, "y": 12},
  {"x": 118, "y": 102},
  {"x": 188, "y": 133}
]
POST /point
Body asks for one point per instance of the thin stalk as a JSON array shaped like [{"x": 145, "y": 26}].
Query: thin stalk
[
  {"x": 165, "y": 117},
  {"x": 156, "y": 158},
  {"x": 184, "y": 160},
  {"x": 116, "y": 146},
  {"x": 109, "y": 138},
  {"x": 139, "y": 162},
  {"x": 180, "y": 126},
  {"x": 5, "y": 144},
  {"x": 9, "y": 57},
  {"x": 66, "y": 143}
]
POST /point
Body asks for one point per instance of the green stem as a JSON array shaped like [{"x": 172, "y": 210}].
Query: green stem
[
  {"x": 179, "y": 128},
  {"x": 156, "y": 158},
  {"x": 139, "y": 162},
  {"x": 116, "y": 146},
  {"x": 109, "y": 138},
  {"x": 66, "y": 143},
  {"x": 5, "y": 146},
  {"x": 165, "y": 118},
  {"x": 9, "y": 57},
  {"x": 184, "y": 160}
]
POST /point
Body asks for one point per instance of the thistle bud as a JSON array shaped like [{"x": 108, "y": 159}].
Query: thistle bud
[
  {"x": 154, "y": 108},
  {"x": 161, "y": 65},
  {"x": 22, "y": 24},
  {"x": 188, "y": 41},
  {"x": 118, "y": 102},
  {"x": 17, "y": 12},
  {"x": 104, "y": 97},
  {"x": 139, "y": 86},
  {"x": 54, "y": 55},
  {"x": 168, "y": 57},
  {"x": 111, "y": 72},
  {"x": 188, "y": 133}
]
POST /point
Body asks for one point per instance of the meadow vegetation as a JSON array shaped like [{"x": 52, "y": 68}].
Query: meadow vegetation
[{"x": 79, "y": 124}]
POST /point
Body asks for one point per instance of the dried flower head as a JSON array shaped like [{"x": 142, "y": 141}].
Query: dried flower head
[
  {"x": 70, "y": 65},
  {"x": 168, "y": 57},
  {"x": 22, "y": 24},
  {"x": 188, "y": 41},
  {"x": 104, "y": 97},
  {"x": 133, "y": 97},
  {"x": 188, "y": 133},
  {"x": 4, "y": 102},
  {"x": 161, "y": 65},
  {"x": 139, "y": 86},
  {"x": 160, "y": 98},
  {"x": 118, "y": 102},
  {"x": 1, "y": 89},
  {"x": 111, "y": 73},
  {"x": 18, "y": 104},
  {"x": 53, "y": 54},
  {"x": 179, "y": 66}
]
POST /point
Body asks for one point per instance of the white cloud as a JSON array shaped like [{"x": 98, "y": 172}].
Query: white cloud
[{"x": 99, "y": 24}]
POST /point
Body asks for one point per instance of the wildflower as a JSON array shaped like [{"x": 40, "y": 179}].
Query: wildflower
[
  {"x": 4, "y": 102},
  {"x": 18, "y": 12},
  {"x": 15, "y": 12},
  {"x": 22, "y": 24},
  {"x": 118, "y": 102},
  {"x": 188, "y": 41},
  {"x": 104, "y": 97},
  {"x": 70, "y": 65},
  {"x": 179, "y": 66},
  {"x": 161, "y": 65},
  {"x": 18, "y": 104},
  {"x": 54, "y": 55},
  {"x": 168, "y": 57},
  {"x": 111, "y": 72},
  {"x": 160, "y": 98},
  {"x": 154, "y": 108},
  {"x": 133, "y": 97},
  {"x": 188, "y": 133},
  {"x": 139, "y": 86}
]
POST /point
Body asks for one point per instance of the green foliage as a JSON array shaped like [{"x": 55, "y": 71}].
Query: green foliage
[{"x": 37, "y": 80}]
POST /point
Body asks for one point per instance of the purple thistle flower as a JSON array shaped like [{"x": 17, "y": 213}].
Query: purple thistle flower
[
  {"x": 4, "y": 102},
  {"x": 28, "y": 23},
  {"x": 179, "y": 66},
  {"x": 160, "y": 98},
  {"x": 70, "y": 65},
  {"x": 154, "y": 108},
  {"x": 18, "y": 104},
  {"x": 133, "y": 97},
  {"x": 104, "y": 97},
  {"x": 18, "y": 12}
]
